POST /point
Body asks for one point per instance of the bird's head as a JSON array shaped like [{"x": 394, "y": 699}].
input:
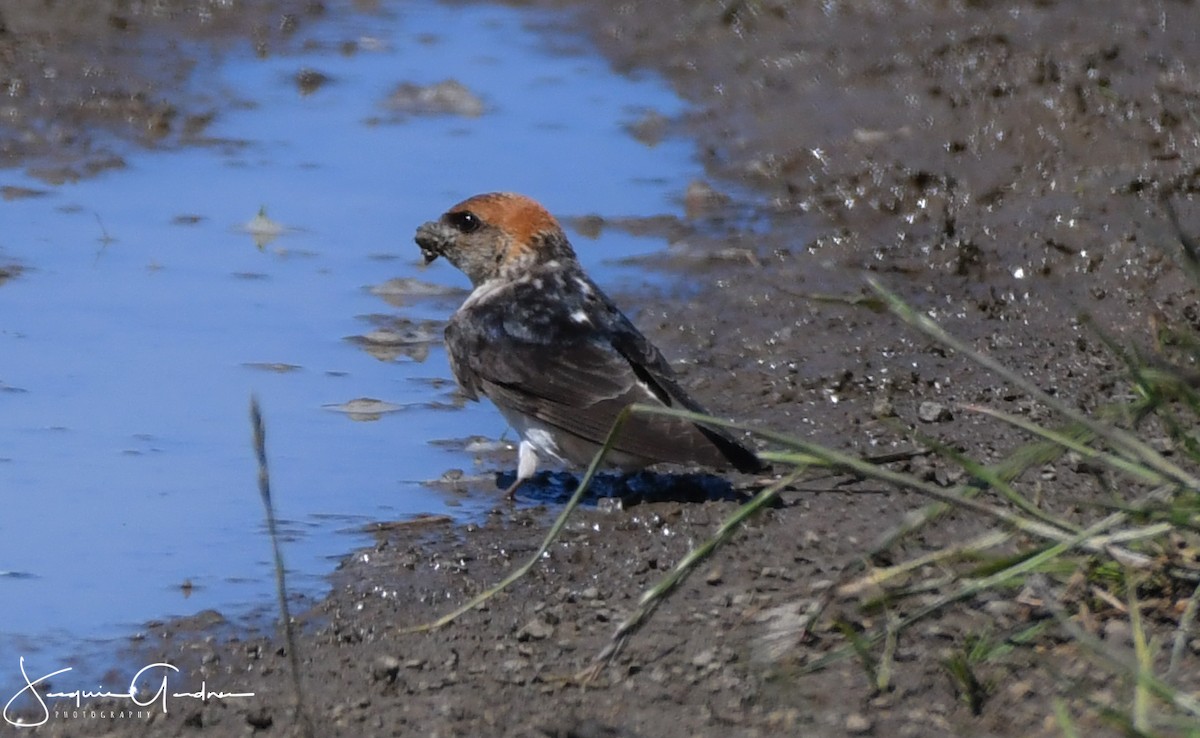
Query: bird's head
[{"x": 499, "y": 233}]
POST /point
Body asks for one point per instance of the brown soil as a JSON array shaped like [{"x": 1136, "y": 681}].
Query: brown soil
[
  {"x": 80, "y": 79},
  {"x": 998, "y": 164}
]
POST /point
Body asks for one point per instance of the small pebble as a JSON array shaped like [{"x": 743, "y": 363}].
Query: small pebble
[
  {"x": 1002, "y": 608},
  {"x": 857, "y": 724},
  {"x": 535, "y": 630},
  {"x": 610, "y": 504},
  {"x": 1020, "y": 690},
  {"x": 259, "y": 719},
  {"x": 704, "y": 658},
  {"x": 385, "y": 669},
  {"x": 1118, "y": 631},
  {"x": 933, "y": 412}
]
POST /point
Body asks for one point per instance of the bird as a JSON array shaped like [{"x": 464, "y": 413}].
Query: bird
[{"x": 554, "y": 354}]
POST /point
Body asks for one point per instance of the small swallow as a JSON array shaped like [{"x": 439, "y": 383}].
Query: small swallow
[{"x": 554, "y": 354}]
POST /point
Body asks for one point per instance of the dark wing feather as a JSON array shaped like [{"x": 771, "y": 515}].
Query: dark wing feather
[
  {"x": 522, "y": 348},
  {"x": 649, "y": 364}
]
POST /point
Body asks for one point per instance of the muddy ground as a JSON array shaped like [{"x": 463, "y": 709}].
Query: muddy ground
[{"x": 999, "y": 164}]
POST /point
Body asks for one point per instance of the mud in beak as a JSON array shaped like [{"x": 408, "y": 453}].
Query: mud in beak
[{"x": 431, "y": 238}]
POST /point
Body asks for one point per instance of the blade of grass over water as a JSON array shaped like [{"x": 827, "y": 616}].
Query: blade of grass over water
[{"x": 259, "y": 429}]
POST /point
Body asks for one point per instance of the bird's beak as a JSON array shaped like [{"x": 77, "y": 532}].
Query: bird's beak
[{"x": 432, "y": 238}]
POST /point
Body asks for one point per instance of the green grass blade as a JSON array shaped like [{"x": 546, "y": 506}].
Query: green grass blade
[{"x": 1115, "y": 436}]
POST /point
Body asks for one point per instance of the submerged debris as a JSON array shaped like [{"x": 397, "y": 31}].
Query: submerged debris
[
  {"x": 309, "y": 81},
  {"x": 398, "y": 337},
  {"x": 272, "y": 366},
  {"x": 365, "y": 408},
  {"x": 402, "y": 290},
  {"x": 449, "y": 97},
  {"x": 263, "y": 229}
]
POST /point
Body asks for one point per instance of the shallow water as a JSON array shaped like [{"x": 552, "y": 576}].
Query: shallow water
[{"x": 147, "y": 316}]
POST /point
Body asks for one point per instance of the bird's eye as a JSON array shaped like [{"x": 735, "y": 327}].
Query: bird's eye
[{"x": 464, "y": 221}]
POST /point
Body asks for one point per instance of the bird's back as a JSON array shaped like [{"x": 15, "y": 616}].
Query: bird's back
[{"x": 553, "y": 348}]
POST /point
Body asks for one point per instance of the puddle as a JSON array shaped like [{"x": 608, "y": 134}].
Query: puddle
[{"x": 145, "y": 315}]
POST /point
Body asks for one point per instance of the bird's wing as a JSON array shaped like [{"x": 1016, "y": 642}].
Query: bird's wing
[
  {"x": 536, "y": 354},
  {"x": 655, "y": 373}
]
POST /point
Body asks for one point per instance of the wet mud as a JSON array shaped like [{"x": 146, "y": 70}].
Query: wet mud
[{"x": 1003, "y": 167}]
